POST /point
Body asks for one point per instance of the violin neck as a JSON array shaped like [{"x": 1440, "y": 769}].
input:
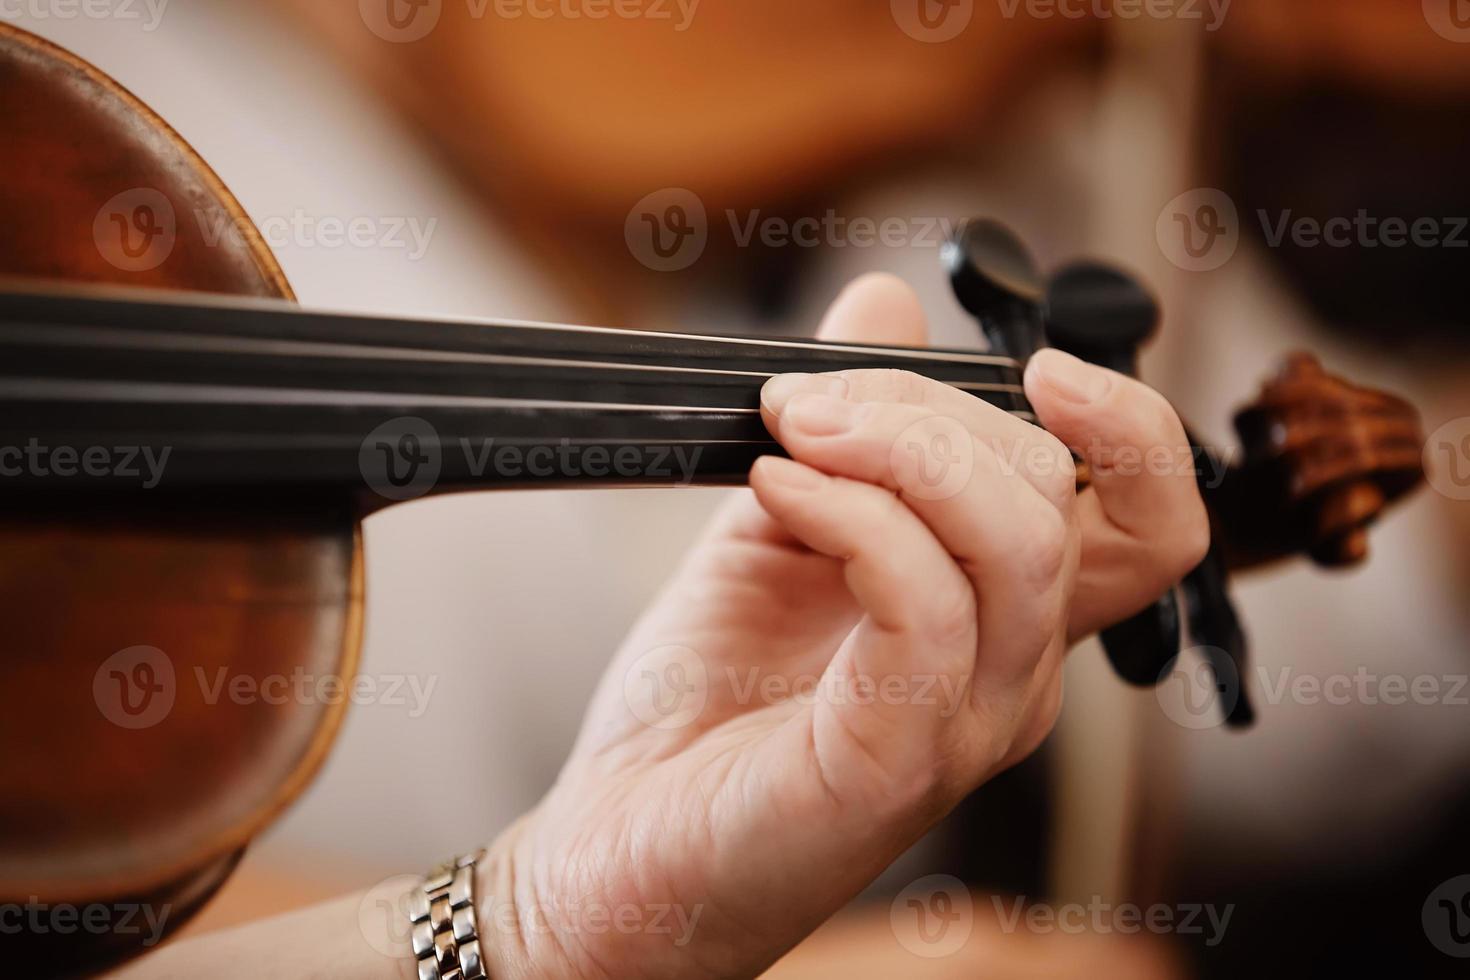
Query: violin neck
[{"x": 229, "y": 395}]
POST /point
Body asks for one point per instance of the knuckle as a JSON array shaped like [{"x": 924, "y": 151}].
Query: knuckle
[
  {"x": 1053, "y": 619},
  {"x": 1193, "y": 538},
  {"x": 1148, "y": 416},
  {"x": 889, "y": 385},
  {"x": 1046, "y": 545},
  {"x": 888, "y": 509},
  {"x": 1059, "y": 480},
  {"x": 1041, "y": 723},
  {"x": 1039, "y": 624},
  {"x": 951, "y": 619},
  {"x": 1175, "y": 547},
  {"x": 1149, "y": 400}
]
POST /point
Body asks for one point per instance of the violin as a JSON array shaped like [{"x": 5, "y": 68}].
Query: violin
[{"x": 186, "y": 457}]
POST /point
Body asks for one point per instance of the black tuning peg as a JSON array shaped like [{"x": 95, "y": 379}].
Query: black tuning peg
[
  {"x": 1100, "y": 314},
  {"x": 1104, "y": 316},
  {"x": 997, "y": 282}
]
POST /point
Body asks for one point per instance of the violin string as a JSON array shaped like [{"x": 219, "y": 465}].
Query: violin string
[
  {"x": 105, "y": 301},
  {"x": 81, "y": 336},
  {"x": 22, "y": 389},
  {"x": 949, "y": 356},
  {"x": 47, "y": 389},
  {"x": 273, "y": 309}
]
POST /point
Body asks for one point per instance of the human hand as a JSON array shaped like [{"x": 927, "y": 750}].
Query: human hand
[{"x": 845, "y": 657}]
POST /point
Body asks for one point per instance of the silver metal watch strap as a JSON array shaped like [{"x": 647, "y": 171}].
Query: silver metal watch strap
[{"x": 446, "y": 937}]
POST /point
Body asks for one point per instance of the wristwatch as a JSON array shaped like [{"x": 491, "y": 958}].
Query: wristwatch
[{"x": 446, "y": 938}]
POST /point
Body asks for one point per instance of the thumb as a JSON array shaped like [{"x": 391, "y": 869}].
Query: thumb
[{"x": 876, "y": 309}]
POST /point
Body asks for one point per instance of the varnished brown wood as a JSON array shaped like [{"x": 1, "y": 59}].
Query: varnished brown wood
[
  {"x": 80, "y": 153},
  {"x": 1323, "y": 458},
  {"x": 94, "y": 811}
]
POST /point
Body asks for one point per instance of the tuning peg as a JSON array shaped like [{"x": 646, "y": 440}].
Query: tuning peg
[
  {"x": 1100, "y": 314},
  {"x": 1103, "y": 315},
  {"x": 997, "y": 282}
]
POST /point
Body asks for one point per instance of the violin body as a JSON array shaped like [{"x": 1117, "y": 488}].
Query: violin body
[{"x": 137, "y": 783}]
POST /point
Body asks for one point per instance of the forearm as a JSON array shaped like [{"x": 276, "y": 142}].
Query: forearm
[
  {"x": 326, "y": 942},
  {"x": 365, "y": 936}
]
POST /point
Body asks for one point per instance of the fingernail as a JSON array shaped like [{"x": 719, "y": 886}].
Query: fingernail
[
  {"x": 791, "y": 475},
  {"x": 1073, "y": 379},
  {"x": 782, "y": 388},
  {"x": 821, "y": 415}
]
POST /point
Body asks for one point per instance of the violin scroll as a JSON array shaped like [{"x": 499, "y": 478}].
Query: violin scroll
[{"x": 1323, "y": 459}]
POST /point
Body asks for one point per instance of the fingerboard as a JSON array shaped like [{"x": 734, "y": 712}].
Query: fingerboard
[{"x": 243, "y": 394}]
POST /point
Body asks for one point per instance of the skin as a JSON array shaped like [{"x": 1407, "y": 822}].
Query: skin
[{"x": 708, "y": 840}]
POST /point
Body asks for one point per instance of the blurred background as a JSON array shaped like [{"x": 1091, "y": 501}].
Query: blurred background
[{"x": 715, "y": 165}]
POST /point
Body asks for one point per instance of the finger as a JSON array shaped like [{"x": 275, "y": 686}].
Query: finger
[
  {"x": 1145, "y": 526},
  {"x": 1013, "y": 542},
  {"x": 920, "y": 608},
  {"x": 876, "y": 309},
  {"x": 1140, "y": 457},
  {"x": 1026, "y": 448}
]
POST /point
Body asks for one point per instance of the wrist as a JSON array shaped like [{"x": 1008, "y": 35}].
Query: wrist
[
  {"x": 515, "y": 941},
  {"x": 502, "y": 940}
]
